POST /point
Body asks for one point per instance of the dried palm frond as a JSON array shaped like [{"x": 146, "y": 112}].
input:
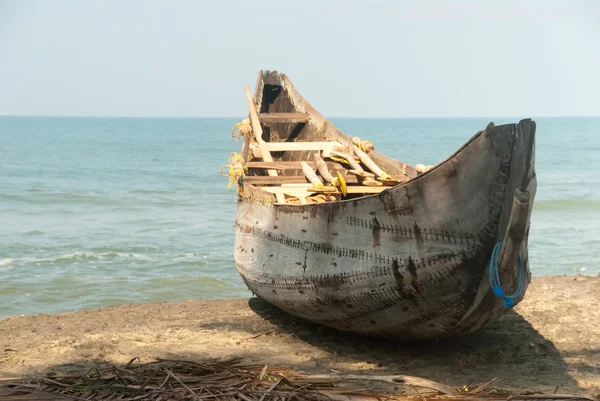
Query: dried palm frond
[{"x": 229, "y": 380}]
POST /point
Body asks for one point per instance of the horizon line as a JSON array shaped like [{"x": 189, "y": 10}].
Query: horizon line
[{"x": 234, "y": 117}]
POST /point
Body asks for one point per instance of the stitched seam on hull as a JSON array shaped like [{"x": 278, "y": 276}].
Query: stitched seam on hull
[
  {"x": 329, "y": 281},
  {"x": 348, "y": 252},
  {"x": 427, "y": 234},
  {"x": 314, "y": 282}
]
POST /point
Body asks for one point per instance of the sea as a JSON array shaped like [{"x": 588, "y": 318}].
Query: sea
[{"x": 107, "y": 211}]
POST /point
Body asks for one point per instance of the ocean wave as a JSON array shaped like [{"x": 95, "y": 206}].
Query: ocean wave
[
  {"x": 150, "y": 191},
  {"x": 41, "y": 197},
  {"x": 116, "y": 201},
  {"x": 34, "y": 233},
  {"x": 190, "y": 256},
  {"x": 567, "y": 204},
  {"x": 200, "y": 283},
  {"x": 84, "y": 256}
]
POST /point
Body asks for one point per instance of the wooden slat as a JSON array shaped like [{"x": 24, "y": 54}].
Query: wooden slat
[
  {"x": 287, "y": 190},
  {"x": 298, "y": 189},
  {"x": 291, "y": 146},
  {"x": 289, "y": 118},
  {"x": 359, "y": 189},
  {"x": 290, "y": 165},
  {"x": 291, "y": 179},
  {"x": 256, "y": 151},
  {"x": 299, "y": 179}
]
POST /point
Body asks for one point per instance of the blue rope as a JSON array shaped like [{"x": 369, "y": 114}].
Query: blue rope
[{"x": 509, "y": 300}]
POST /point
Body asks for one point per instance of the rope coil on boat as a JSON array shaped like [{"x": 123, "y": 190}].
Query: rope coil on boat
[
  {"x": 509, "y": 300},
  {"x": 237, "y": 168},
  {"x": 243, "y": 129},
  {"x": 365, "y": 146}
]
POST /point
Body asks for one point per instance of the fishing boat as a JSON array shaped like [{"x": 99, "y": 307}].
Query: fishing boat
[{"x": 337, "y": 233}]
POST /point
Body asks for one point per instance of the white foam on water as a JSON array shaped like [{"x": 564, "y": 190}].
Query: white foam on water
[
  {"x": 137, "y": 256},
  {"x": 77, "y": 257},
  {"x": 6, "y": 262},
  {"x": 189, "y": 256}
]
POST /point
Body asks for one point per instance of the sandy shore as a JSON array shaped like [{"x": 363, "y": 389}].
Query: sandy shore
[{"x": 552, "y": 339}]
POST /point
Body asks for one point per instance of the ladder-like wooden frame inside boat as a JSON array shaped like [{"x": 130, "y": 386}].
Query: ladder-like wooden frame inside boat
[{"x": 335, "y": 173}]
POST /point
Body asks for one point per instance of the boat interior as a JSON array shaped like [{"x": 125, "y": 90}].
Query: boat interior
[{"x": 294, "y": 153}]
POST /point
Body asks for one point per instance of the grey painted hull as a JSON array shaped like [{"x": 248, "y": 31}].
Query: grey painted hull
[{"x": 411, "y": 262}]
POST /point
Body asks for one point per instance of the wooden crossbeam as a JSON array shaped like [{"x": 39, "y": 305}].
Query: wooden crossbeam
[
  {"x": 286, "y": 165},
  {"x": 300, "y": 179},
  {"x": 289, "y": 179},
  {"x": 289, "y": 118},
  {"x": 308, "y": 188},
  {"x": 299, "y": 146}
]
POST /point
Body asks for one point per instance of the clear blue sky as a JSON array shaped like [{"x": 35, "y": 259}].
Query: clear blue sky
[{"x": 348, "y": 58}]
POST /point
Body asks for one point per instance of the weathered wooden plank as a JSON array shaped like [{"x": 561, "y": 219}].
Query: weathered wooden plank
[
  {"x": 296, "y": 184},
  {"x": 266, "y": 180},
  {"x": 290, "y": 179},
  {"x": 256, "y": 152},
  {"x": 299, "y": 146},
  {"x": 285, "y": 165},
  {"x": 290, "y": 118},
  {"x": 357, "y": 189}
]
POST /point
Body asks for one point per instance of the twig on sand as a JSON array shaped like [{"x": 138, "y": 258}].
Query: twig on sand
[
  {"x": 262, "y": 372},
  {"x": 269, "y": 390},
  {"x": 182, "y": 383}
]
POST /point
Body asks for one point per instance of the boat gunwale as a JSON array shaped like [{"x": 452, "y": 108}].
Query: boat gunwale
[{"x": 384, "y": 191}]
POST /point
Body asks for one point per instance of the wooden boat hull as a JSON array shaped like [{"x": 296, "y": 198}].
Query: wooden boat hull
[{"x": 411, "y": 262}]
